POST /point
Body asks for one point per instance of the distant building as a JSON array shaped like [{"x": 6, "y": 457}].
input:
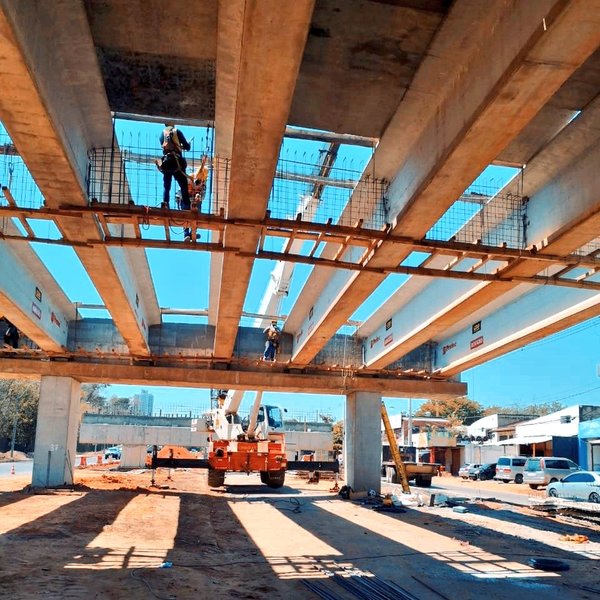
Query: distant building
[{"x": 143, "y": 403}]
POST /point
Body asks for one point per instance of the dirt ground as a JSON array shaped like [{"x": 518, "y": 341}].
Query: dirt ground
[{"x": 109, "y": 537}]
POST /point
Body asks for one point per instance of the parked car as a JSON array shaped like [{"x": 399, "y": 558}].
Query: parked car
[
  {"x": 582, "y": 485},
  {"x": 510, "y": 468},
  {"x": 464, "y": 470},
  {"x": 485, "y": 471},
  {"x": 542, "y": 470},
  {"x": 112, "y": 452}
]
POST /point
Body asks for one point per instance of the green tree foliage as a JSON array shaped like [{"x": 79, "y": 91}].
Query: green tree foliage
[
  {"x": 531, "y": 410},
  {"x": 19, "y": 398},
  {"x": 91, "y": 394},
  {"x": 457, "y": 409},
  {"x": 338, "y": 436}
]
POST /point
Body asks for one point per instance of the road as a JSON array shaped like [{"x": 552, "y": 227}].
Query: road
[
  {"x": 506, "y": 492},
  {"x": 25, "y": 467},
  {"x": 22, "y": 467}
]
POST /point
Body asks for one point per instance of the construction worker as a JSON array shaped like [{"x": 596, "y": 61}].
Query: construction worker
[
  {"x": 11, "y": 335},
  {"x": 272, "y": 344},
  {"x": 173, "y": 165}
]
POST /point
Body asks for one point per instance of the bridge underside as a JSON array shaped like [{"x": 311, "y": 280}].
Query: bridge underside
[{"x": 413, "y": 267}]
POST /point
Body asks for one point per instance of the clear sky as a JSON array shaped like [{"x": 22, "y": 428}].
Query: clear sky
[{"x": 562, "y": 367}]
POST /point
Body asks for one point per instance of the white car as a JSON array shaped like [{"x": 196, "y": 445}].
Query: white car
[{"x": 582, "y": 485}]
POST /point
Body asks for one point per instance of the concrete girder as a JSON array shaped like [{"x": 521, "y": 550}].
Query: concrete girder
[
  {"x": 529, "y": 318},
  {"x": 531, "y": 52},
  {"x": 273, "y": 43},
  {"x": 97, "y": 372},
  {"x": 564, "y": 215},
  {"x": 43, "y": 320},
  {"x": 230, "y": 26},
  {"x": 53, "y": 118}
]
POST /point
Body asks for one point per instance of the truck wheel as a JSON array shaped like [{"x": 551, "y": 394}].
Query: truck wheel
[
  {"x": 216, "y": 478},
  {"x": 534, "y": 486},
  {"x": 274, "y": 479},
  {"x": 519, "y": 478},
  {"x": 264, "y": 477}
]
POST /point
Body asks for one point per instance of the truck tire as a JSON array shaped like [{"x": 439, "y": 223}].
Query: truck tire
[
  {"x": 519, "y": 478},
  {"x": 216, "y": 478},
  {"x": 264, "y": 477},
  {"x": 423, "y": 481},
  {"x": 274, "y": 479}
]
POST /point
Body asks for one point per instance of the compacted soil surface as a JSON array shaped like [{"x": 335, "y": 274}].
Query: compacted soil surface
[{"x": 117, "y": 535}]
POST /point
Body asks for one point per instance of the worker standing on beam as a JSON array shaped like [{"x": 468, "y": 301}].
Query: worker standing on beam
[
  {"x": 11, "y": 335},
  {"x": 173, "y": 165},
  {"x": 272, "y": 344}
]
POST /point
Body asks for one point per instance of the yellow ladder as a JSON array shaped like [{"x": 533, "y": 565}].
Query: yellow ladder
[{"x": 400, "y": 468}]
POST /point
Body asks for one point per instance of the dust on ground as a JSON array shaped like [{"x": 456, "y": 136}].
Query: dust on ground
[{"x": 114, "y": 536}]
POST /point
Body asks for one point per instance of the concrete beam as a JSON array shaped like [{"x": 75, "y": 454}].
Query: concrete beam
[
  {"x": 501, "y": 83},
  {"x": 531, "y": 317},
  {"x": 261, "y": 379},
  {"x": 30, "y": 297},
  {"x": 274, "y": 36},
  {"x": 229, "y": 52},
  {"x": 53, "y": 119},
  {"x": 140, "y": 435},
  {"x": 556, "y": 226}
]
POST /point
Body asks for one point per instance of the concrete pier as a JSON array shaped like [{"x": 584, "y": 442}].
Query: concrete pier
[
  {"x": 363, "y": 441},
  {"x": 56, "y": 433}
]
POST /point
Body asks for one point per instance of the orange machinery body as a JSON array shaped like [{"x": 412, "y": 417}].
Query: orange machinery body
[{"x": 248, "y": 456}]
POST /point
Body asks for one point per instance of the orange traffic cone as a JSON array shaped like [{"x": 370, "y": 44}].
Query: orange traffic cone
[
  {"x": 83, "y": 461},
  {"x": 12, "y": 469}
]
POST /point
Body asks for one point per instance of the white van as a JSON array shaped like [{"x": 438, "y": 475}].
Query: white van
[
  {"x": 543, "y": 470},
  {"x": 509, "y": 468}
]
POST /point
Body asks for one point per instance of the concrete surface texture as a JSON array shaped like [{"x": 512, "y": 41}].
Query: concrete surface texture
[{"x": 245, "y": 542}]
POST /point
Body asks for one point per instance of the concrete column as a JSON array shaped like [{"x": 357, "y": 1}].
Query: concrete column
[
  {"x": 56, "y": 432},
  {"x": 362, "y": 441},
  {"x": 133, "y": 457}
]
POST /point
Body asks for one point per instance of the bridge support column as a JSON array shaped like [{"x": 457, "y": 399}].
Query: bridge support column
[
  {"x": 362, "y": 441},
  {"x": 133, "y": 457},
  {"x": 56, "y": 432}
]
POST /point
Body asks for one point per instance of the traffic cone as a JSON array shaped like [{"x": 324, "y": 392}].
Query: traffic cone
[
  {"x": 12, "y": 469},
  {"x": 83, "y": 461}
]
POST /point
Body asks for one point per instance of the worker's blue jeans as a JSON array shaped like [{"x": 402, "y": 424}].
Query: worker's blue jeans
[{"x": 270, "y": 349}]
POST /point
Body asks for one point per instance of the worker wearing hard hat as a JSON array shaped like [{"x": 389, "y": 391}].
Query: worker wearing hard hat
[{"x": 273, "y": 333}]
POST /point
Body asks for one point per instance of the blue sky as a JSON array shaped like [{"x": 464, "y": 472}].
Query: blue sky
[{"x": 562, "y": 367}]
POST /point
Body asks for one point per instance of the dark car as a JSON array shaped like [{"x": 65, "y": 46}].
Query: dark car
[{"x": 485, "y": 471}]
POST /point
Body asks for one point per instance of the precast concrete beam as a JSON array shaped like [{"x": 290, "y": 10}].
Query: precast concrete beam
[
  {"x": 230, "y": 28},
  {"x": 30, "y": 297},
  {"x": 54, "y": 118},
  {"x": 140, "y": 435},
  {"x": 531, "y": 317},
  {"x": 500, "y": 86},
  {"x": 273, "y": 40},
  {"x": 260, "y": 379},
  {"x": 563, "y": 216}
]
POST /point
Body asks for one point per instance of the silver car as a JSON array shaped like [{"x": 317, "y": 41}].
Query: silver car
[
  {"x": 583, "y": 485},
  {"x": 543, "y": 470},
  {"x": 464, "y": 470}
]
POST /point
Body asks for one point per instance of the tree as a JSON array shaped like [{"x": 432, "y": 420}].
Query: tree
[
  {"x": 531, "y": 410},
  {"x": 338, "y": 436},
  {"x": 19, "y": 401},
  {"x": 454, "y": 408},
  {"x": 92, "y": 396}
]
